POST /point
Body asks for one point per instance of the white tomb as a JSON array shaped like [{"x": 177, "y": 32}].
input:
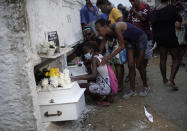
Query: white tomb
[{"x": 61, "y": 104}]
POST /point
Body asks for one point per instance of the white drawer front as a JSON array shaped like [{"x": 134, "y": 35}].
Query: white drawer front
[
  {"x": 59, "y": 93},
  {"x": 62, "y": 112},
  {"x": 54, "y": 99}
]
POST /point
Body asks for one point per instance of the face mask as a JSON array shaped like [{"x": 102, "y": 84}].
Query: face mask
[{"x": 88, "y": 56}]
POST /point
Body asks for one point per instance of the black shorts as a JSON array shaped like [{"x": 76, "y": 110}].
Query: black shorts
[{"x": 168, "y": 43}]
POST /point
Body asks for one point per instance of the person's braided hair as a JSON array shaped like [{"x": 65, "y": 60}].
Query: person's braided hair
[{"x": 91, "y": 45}]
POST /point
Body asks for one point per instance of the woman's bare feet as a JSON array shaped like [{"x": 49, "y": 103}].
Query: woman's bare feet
[
  {"x": 172, "y": 85},
  {"x": 165, "y": 82},
  {"x": 103, "y": 103}
]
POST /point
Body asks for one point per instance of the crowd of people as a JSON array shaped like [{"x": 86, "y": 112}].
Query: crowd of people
[{"x": 117, "y": 36}]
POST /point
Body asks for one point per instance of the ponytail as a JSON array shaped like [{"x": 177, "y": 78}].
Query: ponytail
[{"x": 91, "y": 45}]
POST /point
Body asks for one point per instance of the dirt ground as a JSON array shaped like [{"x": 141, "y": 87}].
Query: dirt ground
[{"x": 169, "y": 108}]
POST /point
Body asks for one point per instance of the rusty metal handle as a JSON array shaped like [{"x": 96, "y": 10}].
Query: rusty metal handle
[
  {"x": 52, "y": 101},
  {"x": 46, "y": 114}
]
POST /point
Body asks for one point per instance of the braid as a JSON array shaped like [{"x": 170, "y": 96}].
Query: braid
[{"x": 91, "y": 45}]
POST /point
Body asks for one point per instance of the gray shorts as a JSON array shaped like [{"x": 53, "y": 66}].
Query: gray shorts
[
  {"x": 140, "y": 44},
  {"x": 148, "y": 50}
]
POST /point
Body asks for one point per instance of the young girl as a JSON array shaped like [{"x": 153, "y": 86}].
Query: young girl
[{"x": 99, "y": 73}]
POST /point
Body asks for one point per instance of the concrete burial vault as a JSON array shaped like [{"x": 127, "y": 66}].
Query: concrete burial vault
[{"x": 23, "y": 25}]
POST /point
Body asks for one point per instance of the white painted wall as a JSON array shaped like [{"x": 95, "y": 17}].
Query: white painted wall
[{"x": 62, "y": 16}]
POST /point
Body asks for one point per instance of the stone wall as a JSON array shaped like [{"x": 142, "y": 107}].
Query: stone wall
[
  {"x": 20, "y": 35},
  {"x": 17, "y": 101}
]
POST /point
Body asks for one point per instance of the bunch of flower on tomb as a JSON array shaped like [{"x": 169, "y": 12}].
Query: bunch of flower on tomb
[{"x": 64, "y": 79}]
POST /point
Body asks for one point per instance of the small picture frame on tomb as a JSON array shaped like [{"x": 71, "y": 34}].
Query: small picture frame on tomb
[{"x": 53, "y": 36}]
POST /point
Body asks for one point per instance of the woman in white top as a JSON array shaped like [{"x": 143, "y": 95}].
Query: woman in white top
[{"x": 99, "y": 73}]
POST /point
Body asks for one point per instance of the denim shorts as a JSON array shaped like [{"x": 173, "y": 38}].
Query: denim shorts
[
  {"x": 148, "y": 51},
  {"x": 140, "y": 44}
]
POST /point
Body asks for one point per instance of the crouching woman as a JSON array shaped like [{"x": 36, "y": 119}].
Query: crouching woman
[{"x": 99, "y": 76}]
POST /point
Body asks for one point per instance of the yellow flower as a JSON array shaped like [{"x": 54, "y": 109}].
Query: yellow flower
[
  {"x": 53, "y": 72},
  {"x": 47, "y": 74},
  {"x": 58, "y": 75},
  {"x": 56, "y": 70}
]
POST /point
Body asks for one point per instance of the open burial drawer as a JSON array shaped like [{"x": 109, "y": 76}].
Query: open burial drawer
[
  {"x": 77, "y": 70},
  {"x": 61, "y": 104}
]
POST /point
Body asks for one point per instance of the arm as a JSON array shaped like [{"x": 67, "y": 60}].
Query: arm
[
  {"x": 102, "y": 46},
  {"x": 91, "y": 76},
  {"x": 121, "y": 41},
  {"x": 178, "y": 25},
  {"x": 83, "y": 18},
  {"x": 176, "y": 15}
]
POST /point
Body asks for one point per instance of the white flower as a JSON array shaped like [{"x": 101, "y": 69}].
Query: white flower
[
  {"x": 49, "y": 87},
  {"x": 64, "y": 79},
  {"x": 45, "y": 82},
  {"x": 60, "y": 82},
  {"x": 54, "y": 81},
  {"x": 66, "y": 72},
  {"x": 61, "y": 75},
  {"x": 51, "y": 44}
]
